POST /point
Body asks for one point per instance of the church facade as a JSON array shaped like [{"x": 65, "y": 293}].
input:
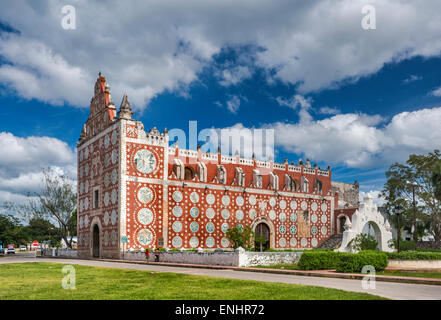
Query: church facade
[{"x": 135, "y": 191}]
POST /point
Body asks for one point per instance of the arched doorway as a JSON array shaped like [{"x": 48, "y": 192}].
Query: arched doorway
[
  {"x": 189, "y": 173},
  {"x": 96, "y": 241},
  {"x": 366, "y": 217},
  {"x": 372, "y": 229},
  {"x": 341, "y": 224},
  {"x": 262, "y": 234}
]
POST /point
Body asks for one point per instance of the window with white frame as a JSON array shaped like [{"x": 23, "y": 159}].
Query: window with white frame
[
  {"x": 221, "y": 174},
  {"x": 257, "y": 179},
  {"x": 274, "y": 181},
  {"x": 202, "y": 172},
  {"x": 240, "y": 177},
  {"x": 179, "y": 169}
]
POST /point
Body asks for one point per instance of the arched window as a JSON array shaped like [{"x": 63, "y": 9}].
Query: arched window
[
  {"x": 178, "y": 168},
  {"x": 222, "y": 174},
  {"x": 189, "y": 173},
  {"x": 202, "y": 172},
  {"x": 305, "y": 185},
  {"x": 257, "y": 179},
  {"x": 274, "y": 180},
  {"x": 240, "y": 177},
  {"x": 318, "y": 186},
  {"x": 291, "y": 184}
]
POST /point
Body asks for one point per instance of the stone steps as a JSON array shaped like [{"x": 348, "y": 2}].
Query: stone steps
[{"x": 333, "y": 242}]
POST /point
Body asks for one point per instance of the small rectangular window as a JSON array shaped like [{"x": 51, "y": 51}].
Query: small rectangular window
[{"x": 96, "y": 198}]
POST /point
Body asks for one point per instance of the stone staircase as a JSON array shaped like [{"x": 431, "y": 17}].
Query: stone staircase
[{"x": 333, "y": 242}]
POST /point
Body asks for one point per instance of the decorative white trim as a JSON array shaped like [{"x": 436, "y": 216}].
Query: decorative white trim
[{"x": 122, "y": 188}]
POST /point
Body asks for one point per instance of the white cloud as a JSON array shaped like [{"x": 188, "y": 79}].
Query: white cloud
[
  {"x": 436, "y": 92},
  {"x": 412, "y": 78},
  {"x": 296, "y": 102},
  {"x": 30, "y": 154},
  {"x": 10, "y": 197},
  {"x": 23, "y": 160},
  {"x": 375, "y": 194},
  {"x": 146, "y": 48},
  {"x": 234, "y": 76},
  {"x": 233, "y": 104},
  {"x": 329, "y": 110},
  {"x": 40, "y": 74},
  {"x": 360, "y": 140}
]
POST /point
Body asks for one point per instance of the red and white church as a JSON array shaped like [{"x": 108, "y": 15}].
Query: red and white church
[{"x": 133, "y": 185}]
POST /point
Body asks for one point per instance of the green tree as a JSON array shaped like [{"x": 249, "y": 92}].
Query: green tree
[
  {"x": 12, "y": 231},
  {"x": 363, "y": 242},
  {"x": 417, "y": 169},
  {"x": 72, "y": 224},
  {"x": 56, "y": 202},
  {"x": 241, "y": 237},
  {"x": 436, "y": 179},
  {"x": 261, "y": 241},
  {"x": 41, "y": 230}
]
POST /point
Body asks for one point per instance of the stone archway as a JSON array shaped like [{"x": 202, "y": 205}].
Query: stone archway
[
  {"x": 341, "y": 220},
  {"x": 95, "y": 238},
  {"x": 272, "y": 235},
  {"x": 372, "y": 226},
  {"x": 367, "y": 213},
  {"x": 96, "y": 241},
  {"x": 262, "y": 230}
]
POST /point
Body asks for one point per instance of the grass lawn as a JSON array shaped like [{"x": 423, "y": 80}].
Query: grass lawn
[
  {"x": 418, "y": 274},
  {"x": 43, "y": 281}
]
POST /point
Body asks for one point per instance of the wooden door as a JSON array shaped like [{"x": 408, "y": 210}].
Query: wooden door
[
  {"x": 96, "y": 242},
  {"x": 263, "y": 230}
]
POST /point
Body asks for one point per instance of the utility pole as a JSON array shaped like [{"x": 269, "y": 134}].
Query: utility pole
[
  {"x": 414, "y": 234},
  {"x": 398, "y": 211},
  {"x": 414, "y": 214}
]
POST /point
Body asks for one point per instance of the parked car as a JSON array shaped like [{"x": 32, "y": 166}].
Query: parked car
[
  {"x": 10, "y": 249},
  {"x": 22, "y": 248}
]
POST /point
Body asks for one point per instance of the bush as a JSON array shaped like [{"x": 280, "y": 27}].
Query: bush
[
  {"x": 318, "y": 260},
  {"x": 241, "y": 237},
  {"x": 405, "y": 245},
  {"x": 363, "y": 242},
  {"x": 354, "y": 262},
  {"x": 342, "y": 262},
  {"x": 414, "y": 255}
]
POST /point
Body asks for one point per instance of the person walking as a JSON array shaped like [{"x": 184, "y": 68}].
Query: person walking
[
  {"x": 147, "y": 254},
  {"x": 157, "y": 255}
]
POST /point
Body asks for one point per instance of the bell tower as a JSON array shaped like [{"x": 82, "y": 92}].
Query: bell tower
[
  {"x": 102, "y": 110},
  {"x": 99, "y": 156}
]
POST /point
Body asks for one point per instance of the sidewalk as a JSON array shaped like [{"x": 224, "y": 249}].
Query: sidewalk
[{"x": 315, "y": 273}]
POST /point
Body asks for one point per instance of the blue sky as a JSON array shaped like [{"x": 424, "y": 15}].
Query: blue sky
[{"x": 357, "y": 100}]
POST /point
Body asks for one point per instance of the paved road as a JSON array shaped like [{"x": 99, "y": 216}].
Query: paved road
[{"x": 385, "y": 289}]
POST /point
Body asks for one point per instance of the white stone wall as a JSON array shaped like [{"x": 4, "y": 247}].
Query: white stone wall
[
  {"x": 58, "y": 252},
  {"x": 252, "y": 259},
  {"x": 415, "y": 264},
  {"x": 185, "y": 257},
  {"x": 238, "y": 258}
]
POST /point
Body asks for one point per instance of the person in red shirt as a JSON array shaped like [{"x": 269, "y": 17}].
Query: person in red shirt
[{"x": 147, "y": 254}]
